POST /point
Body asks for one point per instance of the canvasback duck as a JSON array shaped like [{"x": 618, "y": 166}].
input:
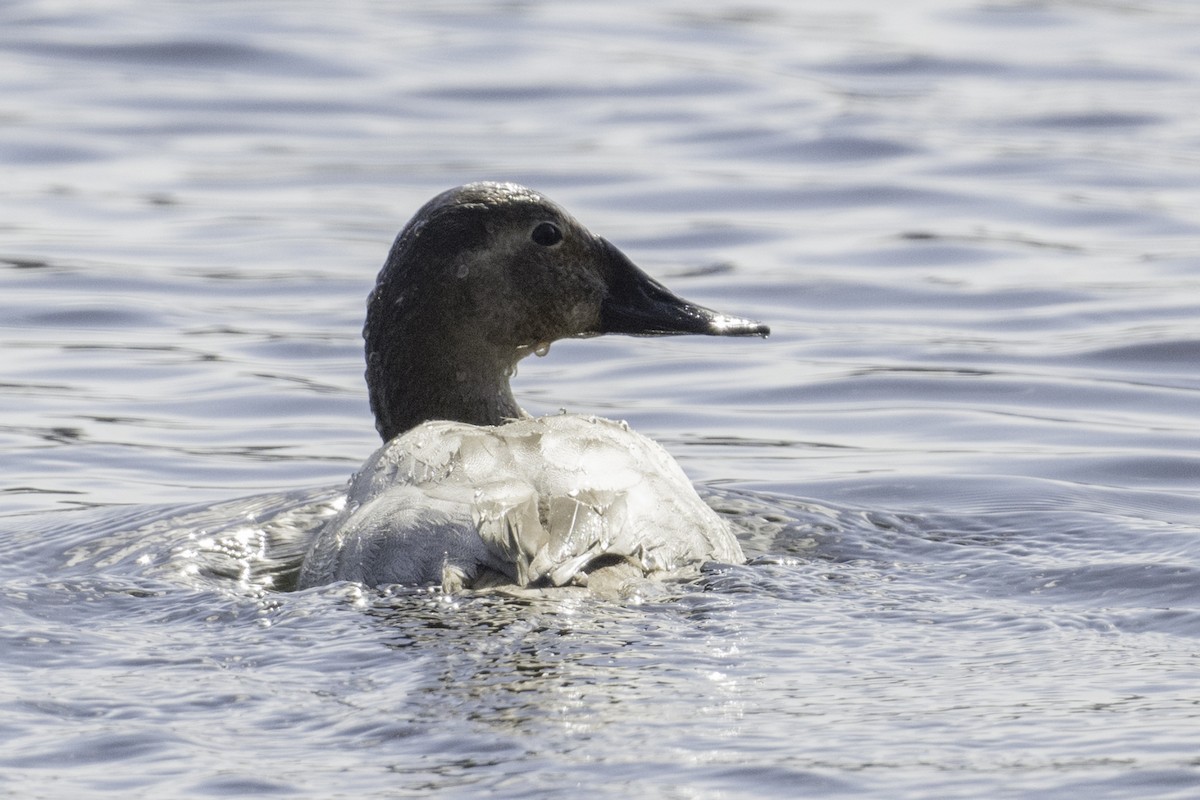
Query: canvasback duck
[{"x": 468, "y": 490}]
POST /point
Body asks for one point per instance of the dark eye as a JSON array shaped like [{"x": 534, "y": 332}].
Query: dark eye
[{"x": 547, "y": 234}]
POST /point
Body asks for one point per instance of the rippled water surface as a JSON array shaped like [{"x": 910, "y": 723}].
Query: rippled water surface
[{"x": 966, "y": 464}]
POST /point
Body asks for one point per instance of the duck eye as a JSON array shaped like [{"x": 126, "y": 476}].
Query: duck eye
[{"x": 547, "y": 234}]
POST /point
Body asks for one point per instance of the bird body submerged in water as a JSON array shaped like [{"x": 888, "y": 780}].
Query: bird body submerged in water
[{"x": 468, "y": 490}]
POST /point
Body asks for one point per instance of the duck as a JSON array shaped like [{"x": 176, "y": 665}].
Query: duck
[{"x": 468, "y": 490}]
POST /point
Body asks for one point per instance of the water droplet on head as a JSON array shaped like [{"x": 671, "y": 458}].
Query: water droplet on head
[{"x": 542, "y": 349}]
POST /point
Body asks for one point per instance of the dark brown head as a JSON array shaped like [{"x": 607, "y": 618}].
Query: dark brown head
[{"x": 482, "y": 276}]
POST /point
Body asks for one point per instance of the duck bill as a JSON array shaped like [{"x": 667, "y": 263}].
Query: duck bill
[{"x": 638, "y": 305}]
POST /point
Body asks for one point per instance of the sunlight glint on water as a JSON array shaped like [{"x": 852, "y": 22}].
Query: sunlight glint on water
[{"x": 964, "y": 465}]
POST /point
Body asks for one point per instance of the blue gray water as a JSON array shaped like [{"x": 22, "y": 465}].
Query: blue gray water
[{"x": 966, "y": 463}]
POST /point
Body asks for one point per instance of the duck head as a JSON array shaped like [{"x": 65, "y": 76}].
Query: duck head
[{"x": 486, "y": 274}]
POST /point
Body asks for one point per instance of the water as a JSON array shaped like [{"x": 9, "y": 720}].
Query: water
[{"x": 966, "y": 464}]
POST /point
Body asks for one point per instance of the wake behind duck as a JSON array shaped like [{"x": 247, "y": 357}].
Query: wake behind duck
[{"x": 469, "y": 490}]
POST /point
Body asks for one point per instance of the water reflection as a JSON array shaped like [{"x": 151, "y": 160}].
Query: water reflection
[{"x": 973, "y": 223}]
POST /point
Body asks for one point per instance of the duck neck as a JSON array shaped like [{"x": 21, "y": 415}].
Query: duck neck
[{"x": 417, "y": 379}]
